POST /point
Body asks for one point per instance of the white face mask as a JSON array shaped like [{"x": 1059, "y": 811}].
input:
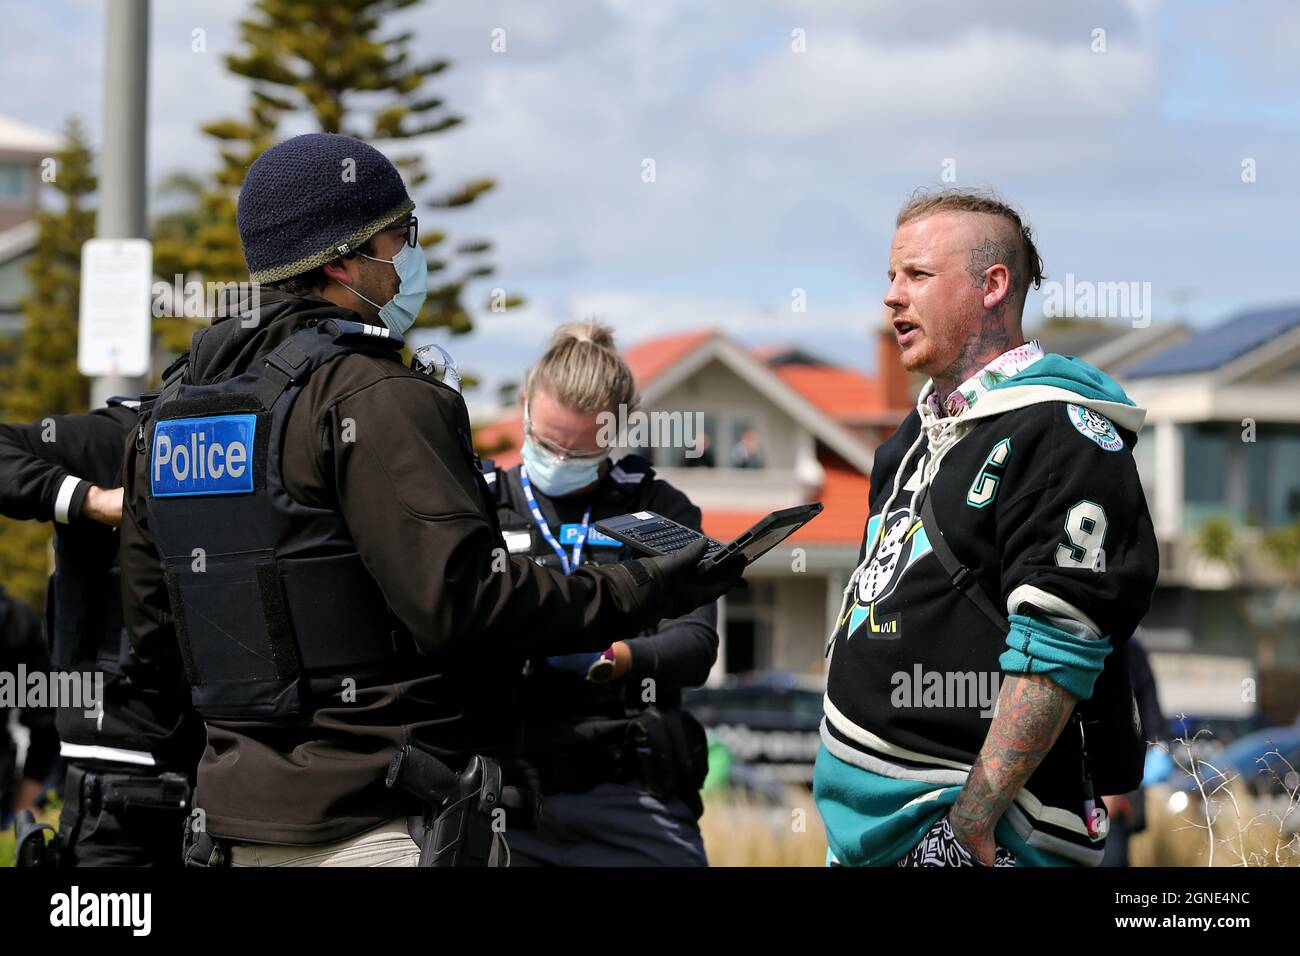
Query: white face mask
[
  {"x": 557, "y": 478},
  {"x": 399, "y": 313}
]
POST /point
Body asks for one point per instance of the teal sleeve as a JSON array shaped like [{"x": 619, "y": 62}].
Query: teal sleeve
[{"x": 1036, "y": 647}]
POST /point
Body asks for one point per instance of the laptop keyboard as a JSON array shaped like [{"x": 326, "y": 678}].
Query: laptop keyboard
[{"x": 667, "y": 537}]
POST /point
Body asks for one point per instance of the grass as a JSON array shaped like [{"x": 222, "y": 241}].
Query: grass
[
  {"x": 741, "y": 831},
  {"x": 1223, "y": 824}
]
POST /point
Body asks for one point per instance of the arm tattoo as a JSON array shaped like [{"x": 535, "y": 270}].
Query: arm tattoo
[{"x": 1031, "y": 713}]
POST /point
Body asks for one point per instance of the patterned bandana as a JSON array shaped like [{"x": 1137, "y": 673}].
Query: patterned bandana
[{"x": 974, "y": 388}]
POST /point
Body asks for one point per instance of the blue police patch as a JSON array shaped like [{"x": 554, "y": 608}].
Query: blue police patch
[
  {"x": 569, "y": 536},
  {"x": 203, "y": 456}
]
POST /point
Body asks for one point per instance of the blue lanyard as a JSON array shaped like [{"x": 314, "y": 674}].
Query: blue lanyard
[{"x": 540, "y": 521}]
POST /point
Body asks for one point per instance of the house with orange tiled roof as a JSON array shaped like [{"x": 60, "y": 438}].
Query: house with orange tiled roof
[{"x": 781, "y": 427}]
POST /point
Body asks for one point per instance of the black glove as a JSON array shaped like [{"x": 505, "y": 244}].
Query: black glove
[
  {"x": 685, "y": 588},
  {"x": 940, "y": 847}
]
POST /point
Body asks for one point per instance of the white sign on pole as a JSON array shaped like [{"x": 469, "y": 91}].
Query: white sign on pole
[{"x": 116, "y": 287}]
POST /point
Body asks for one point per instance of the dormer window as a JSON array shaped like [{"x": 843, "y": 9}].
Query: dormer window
[{"x": 15, "y": 183}]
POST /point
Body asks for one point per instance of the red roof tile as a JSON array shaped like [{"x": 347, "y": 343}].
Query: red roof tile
[
  {"x": 650, "y": 359},
  {"x": 490, "y": 437},
  {"x": 842, "y": 393}
]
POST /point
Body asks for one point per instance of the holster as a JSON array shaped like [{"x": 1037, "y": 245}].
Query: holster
[
  {"x": 464, "y": 813},
  {"x": 31, "y": 848},
  {"x": 201, "y": 851}
]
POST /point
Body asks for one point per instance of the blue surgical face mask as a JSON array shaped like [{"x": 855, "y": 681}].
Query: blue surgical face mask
[
  {"x": 412, "y": 269},
  {"x": 554, "y": 477}
]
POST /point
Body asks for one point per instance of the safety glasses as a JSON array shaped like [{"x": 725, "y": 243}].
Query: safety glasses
[{"x": 559, "y": 451}]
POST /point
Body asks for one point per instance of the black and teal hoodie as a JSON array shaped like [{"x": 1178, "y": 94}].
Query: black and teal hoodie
[{"x": 1036, "y": 491}]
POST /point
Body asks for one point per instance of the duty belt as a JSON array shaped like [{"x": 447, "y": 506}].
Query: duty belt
[
  {"x": 570, "y": 771},
  {"x": 119, "y": 792}
]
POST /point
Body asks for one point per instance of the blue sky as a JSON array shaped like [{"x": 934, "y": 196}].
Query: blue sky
[{"x": 779, "y": 170}]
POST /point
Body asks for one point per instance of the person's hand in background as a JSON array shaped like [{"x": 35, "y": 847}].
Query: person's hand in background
[{"x": 103, "y": 505}]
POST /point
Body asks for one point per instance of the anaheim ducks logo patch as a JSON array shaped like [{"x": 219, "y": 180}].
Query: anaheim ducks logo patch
[
  {"x": 1096, "y": 426},
  {"x": 903, "y": 545}
]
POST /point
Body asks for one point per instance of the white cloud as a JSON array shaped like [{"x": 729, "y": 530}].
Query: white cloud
[{"x": 1007, "y": 88}]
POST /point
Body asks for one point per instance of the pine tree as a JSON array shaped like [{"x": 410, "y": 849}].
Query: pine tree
[
  {"x": 200, "y": 239},
  {"x": 333, "y": 62},
  {"x": 42, "y": 378}
]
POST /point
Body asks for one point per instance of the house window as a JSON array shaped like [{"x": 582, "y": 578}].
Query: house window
[
  {"x": 705, "y": 443},
  {"x": 1272, "y": 465},
  {"x": 746, "y": 447},
  {"x": 1205, "y": 474},
  {"x": 14, "y": 182},
  {"x": 750, "y": 628},
  {"x": 728, "y": 441}
]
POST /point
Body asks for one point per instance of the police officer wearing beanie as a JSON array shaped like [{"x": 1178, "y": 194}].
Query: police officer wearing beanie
[
  {"x": 315, "y": 512},
  {"x": 618, "y": 762}
]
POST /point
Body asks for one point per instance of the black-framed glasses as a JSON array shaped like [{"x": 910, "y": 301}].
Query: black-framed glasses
[{"x": 412, "y": 229}]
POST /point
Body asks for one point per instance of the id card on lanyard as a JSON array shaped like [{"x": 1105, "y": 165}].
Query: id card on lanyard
[{"x": 540, "y": 520}]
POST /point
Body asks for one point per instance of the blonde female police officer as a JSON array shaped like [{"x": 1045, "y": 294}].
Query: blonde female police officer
[
  {"x": 314, "y": 511},
  {"x": 605, "y": 740}
]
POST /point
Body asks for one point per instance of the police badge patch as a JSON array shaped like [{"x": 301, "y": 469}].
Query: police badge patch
[{"x": 1093, "y": 425}]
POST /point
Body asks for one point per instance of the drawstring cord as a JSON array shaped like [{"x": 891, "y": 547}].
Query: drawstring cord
[{"x": 939, "y": 434}]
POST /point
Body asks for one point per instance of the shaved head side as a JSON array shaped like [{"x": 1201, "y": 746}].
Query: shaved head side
[{"x": 999, "y": 233}]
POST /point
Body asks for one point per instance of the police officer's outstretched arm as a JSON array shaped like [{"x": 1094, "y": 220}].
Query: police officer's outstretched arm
[
  {"x": 395, "y": 455},
  {"x": 58, "y": 468},
  {"x": 682, "y": 650}
]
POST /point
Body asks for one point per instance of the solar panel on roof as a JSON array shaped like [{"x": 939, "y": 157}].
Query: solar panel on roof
[{"x": 1215, "y": 347}]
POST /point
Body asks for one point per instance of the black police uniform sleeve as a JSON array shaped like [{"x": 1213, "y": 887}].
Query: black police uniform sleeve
[
  {"x": 683, "y": 650},
  {"x": 407, "y": 486},
  {"x": 1072, "y": 504},
  {"x": 47, "y": 467},
  {"x": 27, "y": 646},
  {"x": 145, "y": 605}
]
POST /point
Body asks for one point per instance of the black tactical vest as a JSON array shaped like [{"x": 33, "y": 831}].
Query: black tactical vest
[{"x": 273, "y": 605}]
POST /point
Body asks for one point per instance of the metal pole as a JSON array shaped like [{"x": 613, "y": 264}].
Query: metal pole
[{"x": 122, "y": 165}]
